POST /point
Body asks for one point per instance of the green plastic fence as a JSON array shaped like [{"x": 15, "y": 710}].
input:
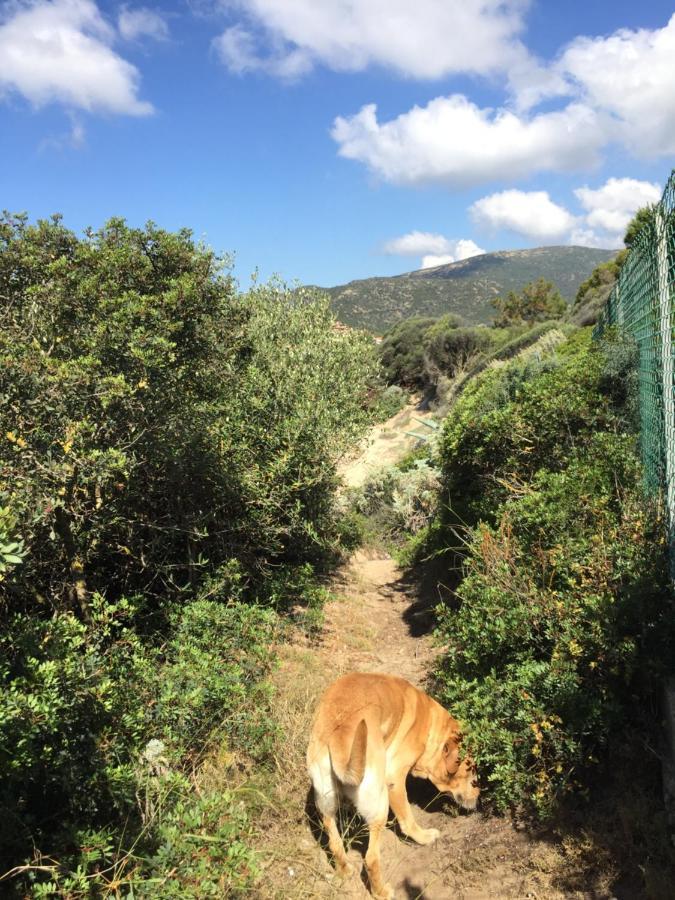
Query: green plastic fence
[{"x": 641, "y": 305}]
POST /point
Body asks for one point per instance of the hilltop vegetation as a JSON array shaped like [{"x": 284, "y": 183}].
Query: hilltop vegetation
[
  {"x": 436, "y": 354},
  {"x": 465, "y": 289},
  {"x": 168, "y": 453}
]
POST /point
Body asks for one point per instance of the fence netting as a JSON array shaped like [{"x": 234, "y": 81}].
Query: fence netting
[{"x": 641, "y": 307}]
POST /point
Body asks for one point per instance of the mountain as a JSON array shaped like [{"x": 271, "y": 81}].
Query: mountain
[{"x": 466, "y": 288}]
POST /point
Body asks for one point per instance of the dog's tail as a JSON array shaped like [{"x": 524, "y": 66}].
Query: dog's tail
[{"x": 349, "y": 763}]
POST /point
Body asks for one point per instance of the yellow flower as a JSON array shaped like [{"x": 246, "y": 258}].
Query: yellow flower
[
  {"x": 574, "y": 648},
  {"x": 11, "y": 437}
]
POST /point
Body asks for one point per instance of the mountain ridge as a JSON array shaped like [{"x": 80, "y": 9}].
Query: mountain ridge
[{"x": 466, "y": 287}]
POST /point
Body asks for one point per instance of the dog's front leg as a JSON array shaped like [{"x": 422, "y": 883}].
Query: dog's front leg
[{"x": 398, "y": 800}]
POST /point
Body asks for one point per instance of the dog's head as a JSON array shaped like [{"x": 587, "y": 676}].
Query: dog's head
[
  {"x": 455, "y": 773},
  {"x": 452, "y": 770}
]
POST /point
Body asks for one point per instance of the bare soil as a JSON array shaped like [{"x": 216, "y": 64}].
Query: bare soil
[
  {"x": 377, "y": 622},
  {"x": 386, "y": 444}
]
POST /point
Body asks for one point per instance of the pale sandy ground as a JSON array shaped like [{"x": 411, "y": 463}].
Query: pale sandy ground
[{"x": 386, "y": 444}]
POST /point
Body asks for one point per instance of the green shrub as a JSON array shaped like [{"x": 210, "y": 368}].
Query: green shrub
[
  {"x": 402, "y": 352},
  {"x": 537, "y": 302},
  {"x": 513, "y": 420},
  {"x": 82, "y": 706},
  {"x": 152, "y": 419},
  {"x": 563, "y": 624},
  {"x": 593, "y": 292},
  {"x": 399, "y": 501},
  {"x": 389, "y": 401}
]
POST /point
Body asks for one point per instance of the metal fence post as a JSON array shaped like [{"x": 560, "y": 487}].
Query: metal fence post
[{"x": 666, "y": 329}]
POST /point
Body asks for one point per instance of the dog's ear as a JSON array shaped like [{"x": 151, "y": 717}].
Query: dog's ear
[{"x": 451, "y": 751}]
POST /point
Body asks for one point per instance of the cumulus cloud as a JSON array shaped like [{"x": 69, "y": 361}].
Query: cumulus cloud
[
  {"x": 427, "y": 39},
  {"x": 60, "y": 50},
  {"x": 417, "y": 242},
  {"x": 530, "y": 213},
  {"x": 611, "y": 207},
  {"x": 607, "y": 210},
  {"x": 454, "y": 142},
  {"x": 435, "y": 249},
  {"x": 629, "y": 75},
  {"x": 142, "y": 22},
  {"x": 621, "y": 89}
]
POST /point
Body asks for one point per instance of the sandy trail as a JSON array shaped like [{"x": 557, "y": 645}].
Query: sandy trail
[{"x": 386, "y": 444}]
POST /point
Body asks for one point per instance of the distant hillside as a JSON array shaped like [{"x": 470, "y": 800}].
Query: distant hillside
[{"x": 466, "y": 288}]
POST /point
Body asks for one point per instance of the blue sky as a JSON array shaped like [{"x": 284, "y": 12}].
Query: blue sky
[{"x": 326, "y": 140}]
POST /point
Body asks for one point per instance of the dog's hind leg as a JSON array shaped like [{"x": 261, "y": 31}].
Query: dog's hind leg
[
  {"x": 398, "y": 800},
  {"x": 326, "y": 798},
  {"x": 372, "y": 803}
]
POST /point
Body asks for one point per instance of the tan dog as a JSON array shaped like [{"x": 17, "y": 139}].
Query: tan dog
[{"x": 369, "y": 733}]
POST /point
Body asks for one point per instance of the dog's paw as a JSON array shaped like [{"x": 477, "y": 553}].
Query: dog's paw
[
  {"x": 345, "y": 870},
  {"x": 427, "y": 835},
  {"x": 387, "y": 893}
]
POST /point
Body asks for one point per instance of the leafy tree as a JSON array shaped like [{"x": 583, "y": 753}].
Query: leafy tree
[
  {"x": 593, "y": 292},
  {"x": 643, "y": 218},
  {"x": 537, "y": 302},
  {"x": 402, "y": 352},
  {"x": 153, "y": 419}
]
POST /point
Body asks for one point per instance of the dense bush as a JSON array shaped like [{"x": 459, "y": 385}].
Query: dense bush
[
  {"x": 419, "y": 352},
  {"x": 449, "y": 347},
  {"x": 402, "y": 352},
  {"x": 151, "y": 418},
  {"x": 166, "y": 445},
  {"x": 399, "y": 500},
  {"x": 513, "y": 420},
  {"x": 564, "y": 618},
  {"x": 593, "y": 293},
  {"x": 537, "y": 302}
]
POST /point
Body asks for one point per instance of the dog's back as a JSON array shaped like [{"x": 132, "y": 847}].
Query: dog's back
[{"x": 355, "y": 721}]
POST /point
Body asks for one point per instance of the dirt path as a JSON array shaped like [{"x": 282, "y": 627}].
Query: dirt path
[
  {"x": 386, "y": 444},
  {"x": 371, "y": 625}
]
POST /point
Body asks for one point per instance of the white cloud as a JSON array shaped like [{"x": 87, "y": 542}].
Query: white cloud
[
  {"x": 430, "y": 261},
  {"x": 621, "y": 89},
  {"x": 607, "y": 211},
  {"x": 426, "y": 39},
  {"x": 611, "y": 207},
  {"x": 142, "y": 22},
  {"x": 631, "y": 76},
  {"x": 236, "y": 48},
  {"x": 453, "y": 141},
  {"x": 60, "y": 50},
  {"x": 435, "y": 249},
  {"x": 417, "y": 242},
  {"x": 464, "y": 249},
  {"x": 587, "y": 237},
  {"x": 530, "y": 213}
]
